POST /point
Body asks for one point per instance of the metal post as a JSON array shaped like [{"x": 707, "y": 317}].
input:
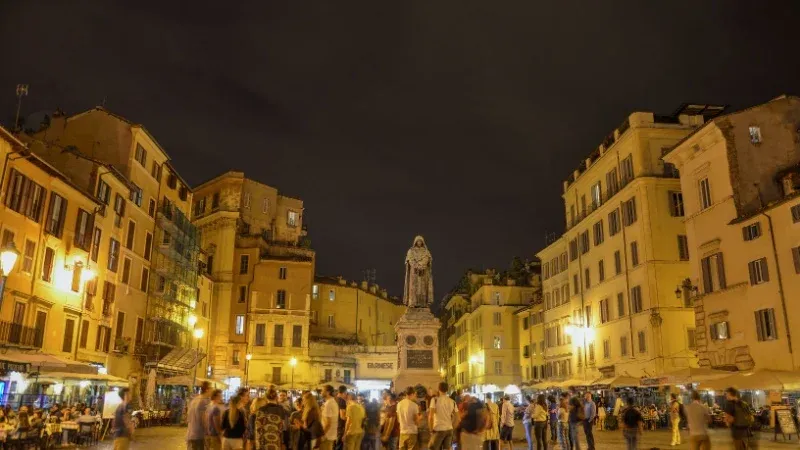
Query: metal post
[
  {"x": 194, "y": 378},
  {"x": 246, "y": 372},
  {"x": 292, "y": 377}
]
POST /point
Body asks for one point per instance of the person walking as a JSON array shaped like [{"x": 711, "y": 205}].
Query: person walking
[
  {"x": 675, "y": 419},
  {"x": 267, "y": 424},
  {"x": 552, "y": 410},
  {"x": 527, "y": 423},
  {"x": 698, "y": 418},
  {"x": 739, "y": 419},
  {"x": 474, "y": 423},
  {"x": 123, "y": 427},
  {"x": 491, "y": 437},
  {"x": 196, "y": 418},
  {"x": 330, "y": 419},
  {"x": 341, "y": 401},
  {"x": 590, "y": 413},
  {"x": 539, "y": 417},
  {"x": 601, "y": 415},
  {"x": 408, "y": 416},
  {"x": 232, "y": 425},
  {"x": 442, "y": 418},
  {"x": 390, "y": 433},
  {"x": 355, "y": 415},
  {"x": 311, "y": 422},
  {"x": 632, "y": 424},
  {"x": 507, "y": 424},
  {"x": 576, "y": 417},
  {"x": 214, "y": 420},
  {"x": 563, "y": 424}
]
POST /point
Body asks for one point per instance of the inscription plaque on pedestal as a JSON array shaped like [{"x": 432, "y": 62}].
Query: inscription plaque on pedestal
[{"x": 419, "y": 359}]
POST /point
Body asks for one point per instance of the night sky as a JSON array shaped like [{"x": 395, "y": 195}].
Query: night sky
[{"x": 455, "y": 120}]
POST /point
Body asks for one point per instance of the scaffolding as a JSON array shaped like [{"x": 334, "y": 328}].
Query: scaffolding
[{"x": 173, "y": 283}]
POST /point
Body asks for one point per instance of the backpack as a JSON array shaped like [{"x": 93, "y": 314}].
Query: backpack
[{"x": 741, "y": 415}]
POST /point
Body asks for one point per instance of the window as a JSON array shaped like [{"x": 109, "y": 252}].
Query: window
[
  {"x": 280, "y": 301},
  {"x": 84, "y": 336},
  {"x": 588, "y": 315},
  {"x": 240, "y": 325},
  {"x": 755, "y": 135},
  {"x": 601, "y": 271},
  {"x": 69, "y": 331},
  {"x": 282, "y": 273},
  {"x": 623, "y": 346},
  {"x": 713, "y": 270},
  {"x": 200, "y": 206},
  {"x": 705, "y": 194},
  {"x": 246, "y": 200},
  {"x": 636, "y": 299},
  {"x": 141, "y": 155},
  {"x": 261, "y": 330},
  {"x": 576, "y": 288},
  {"x": 751, "y": 231},
  {"x": 572, "y": 214},
  {"x": 525, "y": 324},
  {"x": 596, "y": 196},
  {"x": 131, "y": 235},
  {"x": 642, "y": 342},
  {"x": 604, "y": 312},
  {"x": 297, "y": 336},
  {"x": 113, "y": 255},
  {"x": 676, "y": 204},
  {"x": 24, "y": 196},
  {"x": 145, "y": 279},
  {"x": 120, "y": 327},
  {"x": 328, "y": 374},
  {"x": 56, "y": 213},
  {"x": 331, "y": 295},
  {"x": 683, "y": 247},
  {"x": 148, "y": 245},
  {"x": 278, "y": 335},
  {"x": 626, "y": 169},
  {"x": 235, "y": 358},
  {"x": 47, "y": 264},
  {"x": 331, "y": 321},
  {"x": 139, "y": 330},
  {"x": 28, "y": 254},
  {"x": 76, "y": 276},
  {"x": 598, "y": 233},
  {"x": 498, "y": 367},
  {"x": 265, "y": 206},
  {"x": 795, "y": 213},
  {"x": 586, "y": 278},
  {"x": 612, "y": 186},
  {"x": 496, "y": 298},
  {"x": 758, "y": 271},
  {"x": 691, "y": 342},
  {"x": 103, "y": 192},
  {"x": 119, "y": 209},
  {"x": 244, "y": 262},
  {"x": 315, "y": 292},
  {"x": 613, "y": 222},
  {"x": 215, "y": 201},
  {"x": 573, "y": 249},
  {"x": 126, "y": 270},
  {"x": 606, "y": 349},
  {"x": 620, "y": 305},
  {"x": 584, "y": 242},
  {"x": 291, "y": 218},
  {"x": 629, "y": 211},
  {"x": 497, "y": 319},
  {"x": 719, "y": 331},
  {"x": 135, "y": 195},
  {"x": 583, "y": 206},
  {"x": 155, "y": 171},
  {"x": 496, "y": 343},
  {"x": 590, "y": 351},
  {"x": 617, "y": 262},
  {"x": 83, "y": 229},
  {"x": 242, "y": 294},
  {"x": 526, "y": 351},
  {"x": 765, "y": 325},
  {"x": 634, "y": 253},
  {"x": 151, "y": 208}
]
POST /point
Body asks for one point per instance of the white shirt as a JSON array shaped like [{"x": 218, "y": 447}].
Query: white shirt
[
  {"x": 406, "y": 414},
  {"x": 507, "y": 414},
  {"x": 444, "y": 408},
  {"x": 330, "y": 411}
]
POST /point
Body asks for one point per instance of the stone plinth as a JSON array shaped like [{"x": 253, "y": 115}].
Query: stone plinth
[{"x": 417, "y": 349}]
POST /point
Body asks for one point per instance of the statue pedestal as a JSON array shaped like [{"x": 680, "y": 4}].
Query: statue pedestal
[{"x": 418, "y": 350}]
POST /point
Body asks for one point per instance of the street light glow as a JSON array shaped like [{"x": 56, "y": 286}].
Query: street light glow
[
  {"x": 248, "y": 356},
  {"x": 192, "y": 320},
  {"x": 8, "y": 258},
  {"x": 198, "y": 333},
  {"x": 293, "y": 361}
]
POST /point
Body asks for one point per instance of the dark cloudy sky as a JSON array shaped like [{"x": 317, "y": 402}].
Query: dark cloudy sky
[{"x": 456, "y": 120}]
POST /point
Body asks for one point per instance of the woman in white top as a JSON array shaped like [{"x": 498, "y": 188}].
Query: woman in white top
[
  {"x": 539, "y": 418},
  {"x": 601, "y": 415},
  {"x": 563, "y": 424}
]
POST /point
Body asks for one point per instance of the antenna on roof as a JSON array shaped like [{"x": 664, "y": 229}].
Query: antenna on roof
[{"x": 22, "y": 91}]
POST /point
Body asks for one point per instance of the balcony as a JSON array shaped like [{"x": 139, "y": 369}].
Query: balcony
[
  {"x": 16, "y": 334},
  {"x": 605, "y": 196}
]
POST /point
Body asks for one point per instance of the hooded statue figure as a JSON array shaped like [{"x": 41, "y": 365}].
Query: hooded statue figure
[{"x": 418, "y": 288}]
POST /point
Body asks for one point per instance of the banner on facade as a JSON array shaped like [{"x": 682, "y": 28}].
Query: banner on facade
[
  {"x": 8, "y": 366},
  {"x": 377, "y": 367}
]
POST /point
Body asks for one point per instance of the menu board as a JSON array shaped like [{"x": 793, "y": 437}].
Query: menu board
[
  {"x": 785, "y": 421},
  {"x": 110, "y": 403},
  {"x": 419, "y": 359}
]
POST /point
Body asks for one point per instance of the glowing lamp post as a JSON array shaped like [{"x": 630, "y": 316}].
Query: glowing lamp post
[
  {"x": 198, "y": 334},
  {"x": 247, "y": 359},
  {"x": 8, "y": 259},
  {"x": 293, "y": 363}
]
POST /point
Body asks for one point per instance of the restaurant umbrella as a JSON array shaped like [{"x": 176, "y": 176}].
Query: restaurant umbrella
[
  {"x": 150, "y": 392},
  {"x": 763, "y": 379}
]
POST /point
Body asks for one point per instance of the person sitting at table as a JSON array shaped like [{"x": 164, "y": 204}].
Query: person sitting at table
[
  {"x": 36, "y": 419},
  {"x": 23, "y": 424},
  {"x": 87, "y": 417},
  {"x": 11, "y": 418}
]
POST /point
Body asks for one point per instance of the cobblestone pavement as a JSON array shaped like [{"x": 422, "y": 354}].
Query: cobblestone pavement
[{"x": 169, "y": 438}]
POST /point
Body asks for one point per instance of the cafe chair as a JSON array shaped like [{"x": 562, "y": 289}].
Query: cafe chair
[{"x": 85, "y": 434}]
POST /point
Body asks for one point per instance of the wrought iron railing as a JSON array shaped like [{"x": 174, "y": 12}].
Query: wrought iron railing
[{"x": 16, "y": 334}]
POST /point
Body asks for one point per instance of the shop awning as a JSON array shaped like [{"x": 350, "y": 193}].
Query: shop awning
[
  {"x": 614, "y": 382},
  {"x": 573, "y": 382},
  {"x": 766, "y": 380},
  {"x": 180, "y": 360},
  {"x": 43, "y": 362},
  {"x": 60, "y": 377},
  {"x": 544, "y": 385},
  {"x": 186, "y": 380}
]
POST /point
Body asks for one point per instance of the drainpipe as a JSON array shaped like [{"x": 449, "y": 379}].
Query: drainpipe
[{"x": 625, "y": 268}]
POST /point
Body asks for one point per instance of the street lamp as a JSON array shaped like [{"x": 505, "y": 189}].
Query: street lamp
[
  {"x": 687, "y": 287},
  {"x": 192, "y": 320},
  {"x": 247, "y": 359},
  {"x": 293, "y": 362},
  {"x": 8, "y": 258},
  {"x": 198, "y": 334}
]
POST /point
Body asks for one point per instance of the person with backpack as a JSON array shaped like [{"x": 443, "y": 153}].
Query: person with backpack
[
  {"x": 739, "y": 419},
  {"x": 676, "y": 414}
]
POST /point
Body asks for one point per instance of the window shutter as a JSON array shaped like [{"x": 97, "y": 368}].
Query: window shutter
[
  {"x": 706, "y": 268},
  {"x": 752, "y": 271},
  {"x": 764, "y": 269},
  {"x": 744, "y": 234},
  {"x": 713, "y": 330},
  {"x": 773, "y": 324},
  {"x": 796, "y": 258},
  {"x": 759, "y": 325},
  {"x": 721, "y": 272}
]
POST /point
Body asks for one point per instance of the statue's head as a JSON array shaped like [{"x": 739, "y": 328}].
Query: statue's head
[{"x": 419, "y": 241}]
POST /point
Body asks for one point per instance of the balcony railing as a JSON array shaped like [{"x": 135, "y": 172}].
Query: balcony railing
[{"x": 15, "y": 334}]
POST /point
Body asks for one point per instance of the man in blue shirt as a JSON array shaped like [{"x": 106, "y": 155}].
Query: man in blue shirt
[
  {"x": 123, "y": 430},
  {"x": 589, "y": 412},
  {"x": 552, "y": 413}
]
